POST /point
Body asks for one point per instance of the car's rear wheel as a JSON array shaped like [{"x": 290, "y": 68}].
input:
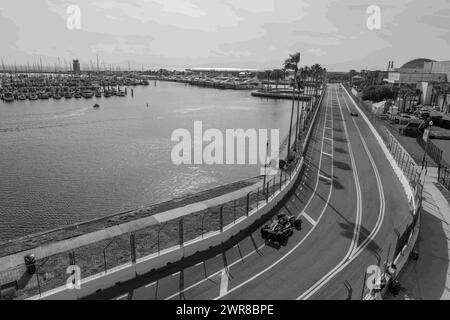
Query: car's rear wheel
[{"x": 265, "y": 232}]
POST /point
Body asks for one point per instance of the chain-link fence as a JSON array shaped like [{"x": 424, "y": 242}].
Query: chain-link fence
[
  {"x": 414, "y": 175},
  {"x": 444, "y": 176}
]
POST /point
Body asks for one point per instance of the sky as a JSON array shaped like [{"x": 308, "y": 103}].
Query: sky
[{"x": 227, "y": 33}]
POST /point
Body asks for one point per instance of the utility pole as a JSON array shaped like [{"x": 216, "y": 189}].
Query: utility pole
[
  {"x": 265, "y": 166},
  {"x": 426, "y": 137}
]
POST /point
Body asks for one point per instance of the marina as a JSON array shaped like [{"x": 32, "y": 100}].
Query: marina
[
  {"x": 34, "y": 86},
  {"x": 69, "y": 162}
]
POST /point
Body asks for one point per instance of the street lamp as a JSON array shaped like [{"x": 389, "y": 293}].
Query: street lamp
[
  {"x": 265, "y": 166},
  {"x": 426, "y": 137}
]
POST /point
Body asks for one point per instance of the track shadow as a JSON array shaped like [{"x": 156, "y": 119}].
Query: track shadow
[
  {"x": 340, "y": 139},
  {"x": 336, "y": 183},
  {"x": 340, "y": 150},
  {"x": 348, "y": 231},
  {"x": 341, "y": 165}
]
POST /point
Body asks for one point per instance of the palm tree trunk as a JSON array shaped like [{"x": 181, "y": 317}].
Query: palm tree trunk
[
  {"x": 292, "y": 115},
  {"x": 298, "y": 122}
]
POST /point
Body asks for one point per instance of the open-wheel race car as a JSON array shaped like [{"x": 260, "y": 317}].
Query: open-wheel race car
[{"x": 280, "y": 229}]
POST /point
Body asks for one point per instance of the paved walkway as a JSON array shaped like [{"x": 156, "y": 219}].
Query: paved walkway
[{"x": 428, "y": 278}]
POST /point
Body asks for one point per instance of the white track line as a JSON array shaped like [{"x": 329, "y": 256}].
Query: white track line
[
  {"x": 379, "y": 222},
  {"x": 316, "y": 286},
  {"x": 321, "y": 176},
  {"x": 300, "y": 242},
  {"x": 379, "y": 183},
  {"x": 307, "y": 217}
]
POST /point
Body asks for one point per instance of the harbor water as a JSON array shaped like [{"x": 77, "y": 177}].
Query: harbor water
[{"x": 63, "y": 161}]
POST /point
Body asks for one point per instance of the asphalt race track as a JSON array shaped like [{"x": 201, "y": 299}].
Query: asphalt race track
[{"x": 352, "y": 206}]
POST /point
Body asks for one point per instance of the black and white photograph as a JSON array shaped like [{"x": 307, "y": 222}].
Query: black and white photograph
[{"x": 218, "y": 158}]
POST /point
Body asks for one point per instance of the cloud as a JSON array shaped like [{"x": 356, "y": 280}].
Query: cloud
[
  {"x": 317, "y": 52},
  {"x": 251, "y": 33}
]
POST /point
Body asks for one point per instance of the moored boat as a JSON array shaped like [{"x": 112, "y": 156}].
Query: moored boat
[
  {"x": 68, "y": 95},
  {"x": 87, "y": 94},
  {"x": 8, "y": 97}
]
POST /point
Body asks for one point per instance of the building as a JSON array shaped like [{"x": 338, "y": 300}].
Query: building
[
  {"x": 420, "y": 70},
  {"x": 225, "y": 71},
  {"x": 441, "y": 67},
  {"x": 76, "y": 66}
]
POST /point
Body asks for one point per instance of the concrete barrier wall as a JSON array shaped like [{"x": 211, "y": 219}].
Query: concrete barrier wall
[{"x": 143, "y": 265}]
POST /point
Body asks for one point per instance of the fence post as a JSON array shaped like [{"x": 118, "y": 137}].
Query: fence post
[
  {"x": 364, "y": 285},
  {"x": 38, "y": 281},
  {"x": 104, "y": 260},
  {"x": 274, "y": 184},
  {"x": 72, "y": 261},
  {"x": 267, "y": 193},
  {"x": 248, "y": 202},
  {"x": 221, "y": 218},
  {"x": 133, "y": 248},
  {"x": 203, "y": 220},
  {"x": 234, "y": 210},
  {"x": 257, "y": 199},
  {"x": 181, "y": 231},
  {"x": 281, "y": 179},
  {"x": 159, "y": 231}
]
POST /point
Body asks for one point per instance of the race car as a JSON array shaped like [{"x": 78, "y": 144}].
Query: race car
[
  {"x": 353, "y": 113},
  {"x": 280, "y": 229}
]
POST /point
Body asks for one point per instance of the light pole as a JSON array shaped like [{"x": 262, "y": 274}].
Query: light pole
[
  {"x": 427, "y": 138},
  {"x": 265, "y": 166}
]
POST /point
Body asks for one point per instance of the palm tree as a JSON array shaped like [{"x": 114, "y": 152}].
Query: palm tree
[
  {"x": 291, "y": 63},
  {"x": 298, "y": 82},
  {"x": 316, "y": 70}
]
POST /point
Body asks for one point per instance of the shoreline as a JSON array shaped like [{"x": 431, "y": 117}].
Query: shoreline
[{"x": 16, "y": 245}]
